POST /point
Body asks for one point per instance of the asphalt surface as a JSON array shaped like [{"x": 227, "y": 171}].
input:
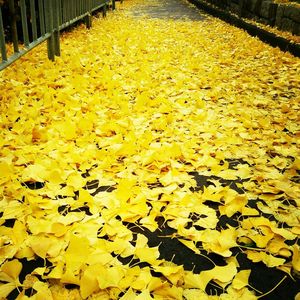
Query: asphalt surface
[{"x": 169, "y": 9}]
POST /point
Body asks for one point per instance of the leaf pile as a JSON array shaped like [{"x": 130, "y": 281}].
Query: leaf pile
[{"x": 147, "y": 130}]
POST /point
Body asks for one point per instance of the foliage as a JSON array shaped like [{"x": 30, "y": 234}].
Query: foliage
[{"x": 107, "y": 137}]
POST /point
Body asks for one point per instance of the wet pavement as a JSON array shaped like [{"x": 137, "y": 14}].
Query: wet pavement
[{"x": 169, "y": 9}]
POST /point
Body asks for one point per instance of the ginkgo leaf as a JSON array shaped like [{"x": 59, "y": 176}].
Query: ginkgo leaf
[
  {"x": 41, "y": 245},
  {"x": 241, "y": 279},
  {"x": 222, "y": 273},
  {"x": 34, "y": 172},
  {"x": 166, "y": 291},
  {"x": 67, "y": 129},
  {"x": 69, "y": 277},
  {"x": 195, "y": 294},
  {"x": 43, "y": 291},
  {"x": 149, "y": 255},
  {"x": 57, "y": 271},
  {"x": 88, "y": 281},
  {"x": 173, "y": 273},
  {"x": 6, "y": 171},
  {"x": 109, "y": 277},
  {"x": 234, "y": 205},
  {"x": 296, "y": 258},
  {"x": 268, "y": 259},
  {"x": 6, "y": 289},
  {"x": 12, "y": 269},
  {"x": 144, "y": 295},
  {"x": 130, "y": 294}
]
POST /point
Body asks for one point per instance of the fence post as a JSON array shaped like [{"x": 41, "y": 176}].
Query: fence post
[
  {"x": 2, "y": 39},
  {"x": 24, "y": 22},
  {"x": 41, "y": 16},
  {"x": 56, "y": 34},
  {"x": 33, "y": 19},
  {"x": 88, "y": 21},
  {"x": 49, "y": 29},
  {"x": 113, "y": 4},
  {"x": 104, "y": 10},
  {"x": 13, "y": 25}
]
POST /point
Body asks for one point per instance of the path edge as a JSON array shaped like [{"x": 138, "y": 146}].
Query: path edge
[{"x": 264, "y": 35}]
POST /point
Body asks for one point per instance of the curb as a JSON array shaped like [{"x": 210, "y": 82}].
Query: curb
[{"x": 264, "y": 35}]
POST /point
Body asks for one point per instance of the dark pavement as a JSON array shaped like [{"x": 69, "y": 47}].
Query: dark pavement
[{"x": 169, "y": 9}]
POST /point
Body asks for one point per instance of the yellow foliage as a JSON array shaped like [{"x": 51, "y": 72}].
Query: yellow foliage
[{"x": 100, "y": 146}]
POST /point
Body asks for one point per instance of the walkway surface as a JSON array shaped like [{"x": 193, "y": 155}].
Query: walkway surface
[
  {"x": 168, "y": 9},
  {"x": 157, "y": 158}
]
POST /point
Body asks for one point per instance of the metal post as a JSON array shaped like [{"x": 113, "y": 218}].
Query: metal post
[
  {"x": 33, "y": 19},
  {"x": 75, "y": 5},
  {"x": 56, "y": 27},
  {"x": 42, "y": 17},
  {"x": 2, "y": 39},
  {"x": 60, "y": 13},
  {"x": 49, "y": 28},
  {"x": 24, "y": 23},
  {"x": 13, "y": 25},
  {"x": 88, "y": 21},
  {"x": 104, "y": 10},
  {"x": 64, "y": 12}
]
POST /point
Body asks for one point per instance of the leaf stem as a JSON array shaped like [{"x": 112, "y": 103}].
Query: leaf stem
[{"x": 274, "y": 288}]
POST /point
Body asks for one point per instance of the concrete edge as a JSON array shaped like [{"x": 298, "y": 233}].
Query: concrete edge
[{"x": 264, "y": 35}]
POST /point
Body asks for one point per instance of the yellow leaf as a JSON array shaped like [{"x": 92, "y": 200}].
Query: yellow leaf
[
  {"x": 144, "y": 295},
  {"x": 55, "y": 176},
  {"x": 70, "y": 277},
  {"x": 19, "y": 233},
  {"x": 173, "y": 273},
  {"x": 142, "y": 280},
  {"x": 41, "y": 245},
  {"x": 296, "y": 258},
  {"x": 195, "y": 294},
  {"x": 77, "y": 253},
  {"x": 6, "y": 289},
  {"x": 57, "y": 271},
  {"x": 171, "y": 292},
  {"x": 36, "y": 172},
  {"x": 234, "y": 205},
  {"x": 6, "y": 171},
  {"x": 190, "y": 244},
  {"x": 43, "y": 291},
  {"x": 59, "y": 229},
  {"x": 39, "y": 134},
  {"x": 88, "y": 281},
  {"x": 224, "y": 274},
  {"x": 267, "y": 259},
  {"x": 12, "y": 269},
  {"x": 75, "y": 180},
  {"x": 109, "y": 276},
  {"x": 67, "y": 130},
  {"x": 124, "y": 189},
  {"x": 129, "y": 295},
  {"x": 193, "y": 281},
  {"x": 149, "y": 255},
  {"x": 241, "y": 279}
]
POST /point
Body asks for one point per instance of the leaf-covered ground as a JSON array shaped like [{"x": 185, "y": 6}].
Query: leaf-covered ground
[{"x": 155, "y": 159}]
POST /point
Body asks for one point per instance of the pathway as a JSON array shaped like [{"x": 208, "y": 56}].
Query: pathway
[
  {"x": 155, "y": 159},
  {"x": 168, "y": 9}
]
